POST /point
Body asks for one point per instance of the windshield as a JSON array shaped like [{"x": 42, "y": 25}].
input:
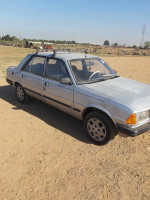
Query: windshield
[{"x": 89, "y": 70}]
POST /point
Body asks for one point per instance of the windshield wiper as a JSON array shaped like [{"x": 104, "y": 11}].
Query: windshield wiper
[
  {"x": 97, "y": 80},
  {"x": 108, "y": 76},
  {"x": 92, "y": 81},
  {"x": 104, "y": 78}
]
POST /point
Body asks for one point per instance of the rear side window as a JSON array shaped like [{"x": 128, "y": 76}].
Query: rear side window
[
  {"x": 26, "y": 68},
  {"x": 37, "y": 66}
]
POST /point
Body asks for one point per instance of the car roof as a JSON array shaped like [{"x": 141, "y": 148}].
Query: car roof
[{"x": 65, "y": 55}]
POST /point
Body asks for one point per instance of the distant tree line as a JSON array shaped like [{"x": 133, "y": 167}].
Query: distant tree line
[
  {"x": 146, "y": 45},
  {"x": 15, "y": 39},
  {"x": 9, "y": 38}
]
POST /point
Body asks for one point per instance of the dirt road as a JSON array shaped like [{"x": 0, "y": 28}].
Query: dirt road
[{"x": 44, "y": 154}]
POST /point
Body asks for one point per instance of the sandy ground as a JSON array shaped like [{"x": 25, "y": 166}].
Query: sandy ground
[{"x": 44, "y": 154}]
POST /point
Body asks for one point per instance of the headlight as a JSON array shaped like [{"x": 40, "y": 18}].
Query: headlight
[{"x": 143, "y": 115}]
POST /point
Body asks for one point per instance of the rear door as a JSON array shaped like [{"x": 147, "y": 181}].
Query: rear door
[
  {"x": 55, "y": 93},
  {"x": 32, "y": 76}
]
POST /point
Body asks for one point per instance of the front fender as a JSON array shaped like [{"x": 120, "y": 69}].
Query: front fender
[
  {"x": 118, "y": 114},
  {"x": 98, "y": 108}
]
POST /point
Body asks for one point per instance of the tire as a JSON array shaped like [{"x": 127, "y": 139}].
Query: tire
[
  {"x": 22, "y": 96},
  {"x": 99, "y": 128}
]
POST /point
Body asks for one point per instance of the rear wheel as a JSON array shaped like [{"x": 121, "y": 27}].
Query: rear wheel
[
  {"x": 99, "y": 128},
  {"x": 21, "y": 94}
]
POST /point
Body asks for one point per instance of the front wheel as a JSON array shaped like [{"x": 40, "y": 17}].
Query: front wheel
[
  {"x": 99, "y": 128},
  {"x": 21, "y": 94}
]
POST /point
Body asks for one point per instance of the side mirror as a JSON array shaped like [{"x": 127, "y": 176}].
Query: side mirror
[
  {"x": 115, "y": 70},
  {"x": 66, "y": 81}
]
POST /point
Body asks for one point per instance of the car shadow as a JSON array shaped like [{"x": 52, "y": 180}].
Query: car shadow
[{"x": 52, "y": 116}]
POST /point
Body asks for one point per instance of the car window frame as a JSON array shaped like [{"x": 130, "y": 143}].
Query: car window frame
[
  {"x": 31, "y": 60},
  {"x": 48, "y": 58}
]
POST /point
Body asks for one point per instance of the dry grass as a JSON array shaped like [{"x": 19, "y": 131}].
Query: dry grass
[
  {"x": 137, "y": 68},
  {"x": 11, "y": 56}
]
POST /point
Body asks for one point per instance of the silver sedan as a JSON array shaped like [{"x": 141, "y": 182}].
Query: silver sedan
[{"x": 87, "y": 88}]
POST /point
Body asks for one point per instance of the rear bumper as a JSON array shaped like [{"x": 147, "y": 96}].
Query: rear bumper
[
  {"x": 9, "y": 81},
  {"x": 135, "y": 130}
]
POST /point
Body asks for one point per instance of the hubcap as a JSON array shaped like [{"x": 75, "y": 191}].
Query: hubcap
[
  {"x": 20, "y": 93},
  {"x": 96, "y": 129}
]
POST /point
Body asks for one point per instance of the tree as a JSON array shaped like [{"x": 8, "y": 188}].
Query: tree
[
  {"x": 9, "y": 38},
  {"x": 6, "y": 37},
  {"x": 147, "y": 44},
  {"x": 114, "y": 44},
  {"x": 106, "y": 42},
  {"x": 134, "y": 46}
]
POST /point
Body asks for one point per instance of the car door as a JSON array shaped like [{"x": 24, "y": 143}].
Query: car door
[
  {"x": 32, "y": 76},
  {"x": 55, "y": 93}
]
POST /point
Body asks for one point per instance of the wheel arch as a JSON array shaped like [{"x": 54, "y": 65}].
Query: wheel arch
[
  {"x": 92, "y": 109},
  {"x": 16, "y": 83}
]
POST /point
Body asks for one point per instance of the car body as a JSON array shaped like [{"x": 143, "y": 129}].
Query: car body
[{"x": 107, "y": 102}]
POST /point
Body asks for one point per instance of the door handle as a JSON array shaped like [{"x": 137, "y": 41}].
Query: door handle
[
  {"x": 46, "y": 84},
  {"x": 22, "y": 76}
]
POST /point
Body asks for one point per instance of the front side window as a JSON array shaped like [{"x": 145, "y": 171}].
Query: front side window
[
  {"x": 37, "y": 66},
  {"x": 56, "y": 69},
  {"x": 90, "y": 70}
]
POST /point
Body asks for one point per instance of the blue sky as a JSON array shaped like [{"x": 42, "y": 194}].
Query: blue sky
[{"x": 91, "y": 21}]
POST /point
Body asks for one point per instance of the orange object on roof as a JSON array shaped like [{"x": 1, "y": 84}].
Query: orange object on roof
[{"x": 49, "y": 47}]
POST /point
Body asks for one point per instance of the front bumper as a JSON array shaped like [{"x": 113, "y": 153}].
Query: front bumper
[{"x": 134, "y": 131}]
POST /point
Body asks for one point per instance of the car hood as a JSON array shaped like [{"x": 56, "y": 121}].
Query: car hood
[{"x": 127, "y": 91}]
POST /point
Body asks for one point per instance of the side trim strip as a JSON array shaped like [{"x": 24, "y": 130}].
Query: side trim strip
[
  {"x": 57, "y": 101},
  {"x": 32, "y": 91},
  {"x": 76, "y": 109},
  {"x": 52, "y": 99}
]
